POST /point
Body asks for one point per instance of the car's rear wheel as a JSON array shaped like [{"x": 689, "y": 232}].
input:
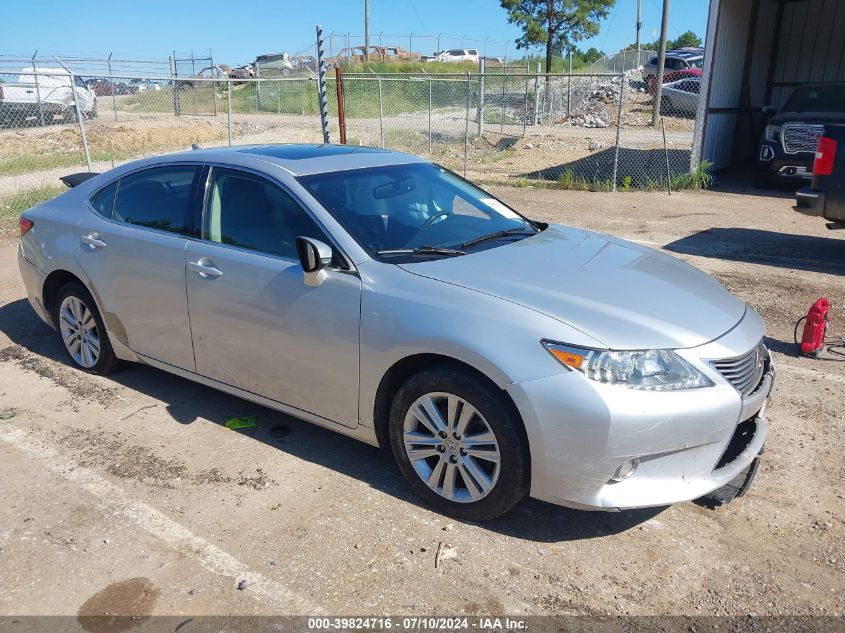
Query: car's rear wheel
[
  {"x": 460, "y": 444},
  {"x": 82, "y": 331}
]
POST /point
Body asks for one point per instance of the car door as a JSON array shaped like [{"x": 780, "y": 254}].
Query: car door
[
  {"x": 255, "y": 324},
  {"x": 132, "y": 248}
]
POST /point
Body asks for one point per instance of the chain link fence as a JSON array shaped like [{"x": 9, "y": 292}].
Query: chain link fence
[{"x": 585, "y": 131}]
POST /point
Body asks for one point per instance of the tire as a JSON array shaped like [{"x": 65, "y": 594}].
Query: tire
[
  {"x": 74, "y": 341},
  {"x": 481, "y": 488},
  {"x": 69, "y": 114},
  {"x": 93, "y": 114}
]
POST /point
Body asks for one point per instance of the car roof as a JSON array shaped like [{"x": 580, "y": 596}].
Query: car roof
[
  {"x": 682, "y": 53},
  {"x": 301, "y": 159}
]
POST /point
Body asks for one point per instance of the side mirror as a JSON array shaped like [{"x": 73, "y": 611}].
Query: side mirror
[
  {"x": 768, "y": 111},
  {"x": 314, "y": 257}
]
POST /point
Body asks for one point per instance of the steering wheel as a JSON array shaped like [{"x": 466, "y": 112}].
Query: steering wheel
[{"x": 433, "y": 219}]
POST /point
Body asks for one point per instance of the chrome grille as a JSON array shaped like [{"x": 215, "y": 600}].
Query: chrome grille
[
  {"x": 744, "y": 372},
  {"x": 799, "y": 137}
]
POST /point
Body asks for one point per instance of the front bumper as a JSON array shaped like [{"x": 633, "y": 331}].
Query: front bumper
[
  {"x": 775, "y": 165},
  {"x": 688, "y": 443}
]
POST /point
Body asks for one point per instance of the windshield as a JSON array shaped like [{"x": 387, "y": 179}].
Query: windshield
[
  {"x": 397, "y": 207},
  {"x": 829, "y": 98},
  {"x": 696, "y": 63}
]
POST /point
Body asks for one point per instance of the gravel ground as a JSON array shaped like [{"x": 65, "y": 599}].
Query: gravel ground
[{"x": 128, "y": 495}]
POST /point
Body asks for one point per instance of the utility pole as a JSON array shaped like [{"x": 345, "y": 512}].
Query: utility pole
[
  {"x": 661, "y": 64},
  {"x": 366, "y": 30},
  {"x": 639, "y": 28}
]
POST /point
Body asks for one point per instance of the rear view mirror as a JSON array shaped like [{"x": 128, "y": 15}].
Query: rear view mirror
[
  {"x": 394, "y": 188},
  {"x": 314, "y": 257}
]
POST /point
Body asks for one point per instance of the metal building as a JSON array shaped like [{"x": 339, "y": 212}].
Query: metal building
[{"x": 758, "y": 51}]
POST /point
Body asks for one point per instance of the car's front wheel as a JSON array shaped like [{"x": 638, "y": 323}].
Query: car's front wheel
[
  {"x": 83, "y": 332},
  {"x": 460, "y": 444}
]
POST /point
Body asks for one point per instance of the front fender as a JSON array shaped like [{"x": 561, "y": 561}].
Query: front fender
[{"x": 403, "y": 315}]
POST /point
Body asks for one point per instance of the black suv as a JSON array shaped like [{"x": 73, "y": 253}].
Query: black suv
[{"x": 788, "y": 145}]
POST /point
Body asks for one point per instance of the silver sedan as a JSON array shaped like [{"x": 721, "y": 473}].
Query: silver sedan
[{"x": 383, "y": 297}]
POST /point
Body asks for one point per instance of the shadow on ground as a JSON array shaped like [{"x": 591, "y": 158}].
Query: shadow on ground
[
  {"x": 740, "y": 180},
  {"x": 772, "y": 248},
  {"x": 187, "y": 402},
  {"x": 640, "y": 165}
]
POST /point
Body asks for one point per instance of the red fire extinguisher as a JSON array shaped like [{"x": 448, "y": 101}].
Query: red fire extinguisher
[{"x": 815, "y": 328}]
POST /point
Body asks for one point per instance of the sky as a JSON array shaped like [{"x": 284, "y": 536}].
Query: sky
[{"x": 236, "y": 32}]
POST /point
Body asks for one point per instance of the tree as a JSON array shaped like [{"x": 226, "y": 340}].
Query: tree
[
  {"x": 688, "y": 39},
  {"x": 557, "y": 24}
]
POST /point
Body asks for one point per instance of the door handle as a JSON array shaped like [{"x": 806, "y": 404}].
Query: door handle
[
  {"x": 93, "y": 240},
  {"x": 205, "y": 268}
]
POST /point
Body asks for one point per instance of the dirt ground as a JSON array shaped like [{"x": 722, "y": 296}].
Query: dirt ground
[{"x": 128, "y": 494}]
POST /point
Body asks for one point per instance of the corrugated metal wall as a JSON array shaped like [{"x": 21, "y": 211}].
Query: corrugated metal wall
[
  {"x": 811, "y": 47},
  {"x": 725, "y": 82}
]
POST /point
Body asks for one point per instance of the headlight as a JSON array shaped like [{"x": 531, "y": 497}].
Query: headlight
[
  {"x": 772, "y": 133},
  {"x": 647, "y": 370}
]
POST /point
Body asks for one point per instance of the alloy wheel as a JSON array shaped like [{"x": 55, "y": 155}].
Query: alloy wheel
[
  {"x": 79, "y": 332},
  {"x": 451, "y": 447}
]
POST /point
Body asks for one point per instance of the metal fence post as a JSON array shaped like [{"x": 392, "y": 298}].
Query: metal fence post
[
  {"x": 480, "y": 103},
  {"x": 321, "y": 86},
  {"x": 38, "y": 91},
  {"x": 380, "y": 113},
  {"x": 525, "y": 107},
  {"x": 229, "y": 109},
  {"x": 175, "y": 84},
  {"x": 466, "y": 125},
  {"x": 618, "y": 130},
  {"x": 537, "y": 94},
  {"x": 429, "y": 116},
  {"x": 113, "y": 99},
  {"x": 569, "y": 88},
  {"x": 258, "y": 87},
  {"x": 504, "y": 85},
  {"x": 79, "y": 118}
]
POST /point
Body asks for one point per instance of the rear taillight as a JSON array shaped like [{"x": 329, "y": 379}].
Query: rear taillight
[
  {"x": 825, "y": 155},
  {"x": 25, "y": 225}
]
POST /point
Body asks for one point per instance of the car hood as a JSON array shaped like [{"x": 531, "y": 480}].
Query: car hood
[{"x": 622, "y": 294}]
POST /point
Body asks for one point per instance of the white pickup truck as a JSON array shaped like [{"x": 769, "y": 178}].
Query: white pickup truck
[{"x": 53, "y": 96}]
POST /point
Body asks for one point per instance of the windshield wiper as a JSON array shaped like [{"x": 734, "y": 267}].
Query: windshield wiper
[
  {"x": 517, "y": 230},
  {"x": 422, "y": 250}
]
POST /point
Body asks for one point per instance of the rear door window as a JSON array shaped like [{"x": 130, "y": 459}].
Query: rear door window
[
  {"x": 158, "y": 198},
  {"x": 103, "y": 200}
]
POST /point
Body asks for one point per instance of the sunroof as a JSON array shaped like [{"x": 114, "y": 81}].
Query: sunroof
[{"x": 302, "y": 152}]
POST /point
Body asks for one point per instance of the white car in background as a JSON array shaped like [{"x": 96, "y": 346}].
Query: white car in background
[
  {"x": 456, "y": 55},
  {"x": 48, "y": 92}
]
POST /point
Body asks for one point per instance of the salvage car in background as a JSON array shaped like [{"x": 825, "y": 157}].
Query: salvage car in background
[
  {"x": 386, "y": 298},
  {"x": 677, "y": 59},
  {"x": 456, "y": 55},
  {"x": 680, "y": 98},
  {"x": 54, "y": 96},
  {"x": 106, "y": 88},
  {"x": 788, "y": 145},
  {"x": 273, "y": 65}
]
